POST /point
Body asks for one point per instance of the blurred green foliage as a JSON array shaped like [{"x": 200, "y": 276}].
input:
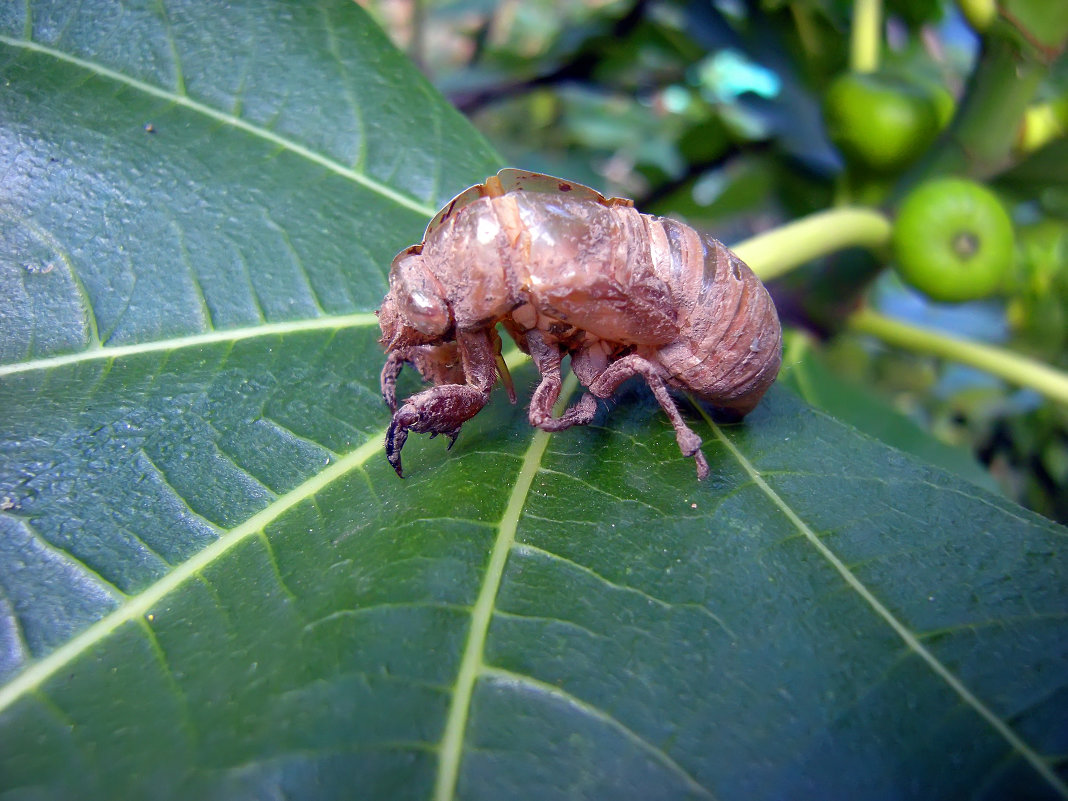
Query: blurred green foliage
[{"x": 712, "y": 112}]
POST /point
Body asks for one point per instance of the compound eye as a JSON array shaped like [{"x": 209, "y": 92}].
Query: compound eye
[
  {"x": 418, "y": 294},
  {"x": 424, "y": 312}
]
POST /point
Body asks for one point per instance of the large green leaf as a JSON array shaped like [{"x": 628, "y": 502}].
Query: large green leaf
[{"x": 212, "y": 585}]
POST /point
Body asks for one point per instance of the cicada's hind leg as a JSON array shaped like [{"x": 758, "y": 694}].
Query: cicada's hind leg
[
  {"x": 605, "y": 384},
  {"x": 547, "y": 359}
]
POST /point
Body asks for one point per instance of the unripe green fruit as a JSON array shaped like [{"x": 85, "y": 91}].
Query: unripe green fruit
[
  {"x": 979, "y": 13},
  {"x": 883, "y": 123},
  {"x": 953, "y": 240}
]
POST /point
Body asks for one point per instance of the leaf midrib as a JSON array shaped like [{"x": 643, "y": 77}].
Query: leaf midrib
[
  {"x": 911, "y": 641},
  {"x": 451, "y": 750},
  {"x": 472, "y": 667},
  {"x": 227, "y": 119}
]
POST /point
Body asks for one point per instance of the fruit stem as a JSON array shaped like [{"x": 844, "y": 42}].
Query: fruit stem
[
  {"x": 865, "y": 37},
  {"x": 781, "y": 249},
  {"x": 1012, "y": 367}
]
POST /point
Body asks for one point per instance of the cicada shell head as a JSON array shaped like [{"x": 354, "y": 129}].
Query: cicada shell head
[{"x": 415, "y": 301}]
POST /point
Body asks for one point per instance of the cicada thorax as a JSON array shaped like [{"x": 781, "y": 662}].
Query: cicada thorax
[
  {"x": 589, "y": 265},
  {"x": 581, "y": 262},
  {"x": 730, "y": 342},
  {"x": 536, "y": 256},
  {"x": 472, "y": 259}
]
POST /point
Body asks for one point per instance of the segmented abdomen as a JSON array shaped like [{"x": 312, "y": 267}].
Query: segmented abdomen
[{"x": 730, "y": 342}]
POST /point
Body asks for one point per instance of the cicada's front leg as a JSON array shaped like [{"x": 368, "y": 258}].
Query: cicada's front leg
[
  {"x": 437, "y": 364},
  {"x": 444, "y": 408}
]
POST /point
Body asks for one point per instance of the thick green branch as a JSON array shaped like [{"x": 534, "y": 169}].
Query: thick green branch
[
  {"x": 1013, "y": 367},
  {"x": 781, "y": 249},
  {"x": 1020, "y": 46},
  {"x": 1001, "y": 89},
  {"x": 865, "y": 36}
]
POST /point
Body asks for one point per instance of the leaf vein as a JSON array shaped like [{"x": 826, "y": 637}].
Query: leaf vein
[
  {"x": 20, "y": 646},
  {"x": 359, "y": 611},
  {"x": 571, "y": 624},
  {"x": 172, "y": 44},
  {"x": 977, "y": 625},
  {"x": 910, "y": 639},
  {"x": 194, "y": 277},
  {"x": 354, "y": 107},
  {"x": 298, "y": 262},
  {"x": 603, "y": 491},
  {"x": 510, "y": 679},
  {"x": 272, "y": 557},
  {"x": 452, "y": 739},
  {"x": 105, "y": 585},
  {"x": 534, "y": 550},
  {"x": 285, "y": 432},
  {"x": 172, "y": 680},
  {"x": 232, "y": 335},
  {"x": 165, "y": 481},
  {"x": 135, "y": 606},
  {"x": 260, "y": 132}
]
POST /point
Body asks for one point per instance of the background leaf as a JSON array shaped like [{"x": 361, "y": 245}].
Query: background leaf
[
  {"x": 212, "y": 584},
  {"x": 807, "y": 374}
]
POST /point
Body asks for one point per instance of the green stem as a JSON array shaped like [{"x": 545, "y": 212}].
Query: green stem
[
  {"x": 781, "y": 249},
  {"x": 999, "y": 92},
  {"x": 865, "y": 37},
  {"x": 806, "y": 32},
  {"x": 1005, "y": 364}
]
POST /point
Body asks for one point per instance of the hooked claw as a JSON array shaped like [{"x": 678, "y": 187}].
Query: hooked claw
[
  {"x": 397, "y": 434},
  {"x": 439, "y": 410},
  {"x": 452, "y": 435}
]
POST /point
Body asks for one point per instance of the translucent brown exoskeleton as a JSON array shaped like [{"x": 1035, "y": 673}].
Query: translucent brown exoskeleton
[{"x": 567, "y": 271}]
